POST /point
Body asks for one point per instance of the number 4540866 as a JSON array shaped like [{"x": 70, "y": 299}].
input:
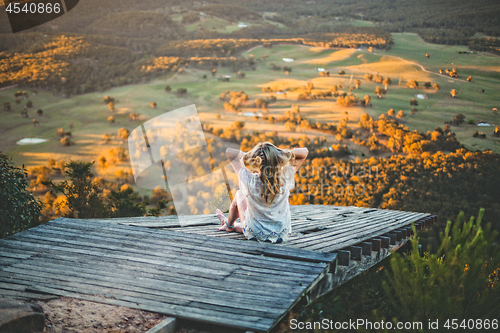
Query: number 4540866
[
  {"x": 33, "y": 8},
  {"x": 472, "y": 324}
]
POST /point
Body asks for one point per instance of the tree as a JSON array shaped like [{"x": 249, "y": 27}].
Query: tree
[
  {"x": 391, "y": 112},
  {"x": 84, "y": 197},
  {"x": 168, "y": 89},
  {"x": 29, "y": 104},
  {"x": 19, "y": 210},
  {"x": 153, "y": 105},
  {"x": 357, "y": 83},
  {"x": 123, "y": 133},
  {"x": 125, "y": 203},
  {"x": 456, "y": 282},
  {"x": 401, "y": 114},
  {"x": 369, "y": 77},
  {"x": 214, "y": 72},
  {"x": 66, "y": 141},
  {"x": 458, "y": 119},
  {"x": 454, "y": 93},
  {"x": 496, "y": 131},
  {"x": 180, "y": 91},
  {"x": 379, "y": 91},
  {"x": 427, "y": 55},
  {"x": 427, "y": 85},
  {"x": 111, "y": 106},
  {"x": 436, "y": 86},
  {"x": 387, "y": 82},
  {"x": 413, "y": 84},
  {"x": 6, "y": 106},
  {"x": 111, "y": 119},
  {"x": 39, "y": 112},
  {"x": 469, "y": 79},
  {"x": 341, "y": 72},
  {"x": 367, "y": 100}
]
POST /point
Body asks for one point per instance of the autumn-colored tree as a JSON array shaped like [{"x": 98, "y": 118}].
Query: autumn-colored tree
[
  {"x": 214, "y": 72},
  {"x": 66, "y": 141},
  {"x": 102, "y": 161},
  {"x": 413, "y": 102},
  {"x": 153, "y": 105},
  {"x": 496, "y": 131},
  {"x": 111, "y": 106},
  {"x": 469, "y": 79},
  {"x": 454, "y": 93},
  {"x": 379, "y": 91},
  {"x": 367, "y": 100},
  {"x": 341, "y": 72},
  {"x": 387, "y": 82},
  {"x": 436, "y": 86},
  {"x": 391, "y": 112},
  {"x": 111, "y": 119},
  {"x": 357, "y": 83},
  {"x": 401, "y": 114},
  {"x": 369, "y": 77},
  {"x": 123, "y": 133},
  {"x": 413, "y": 84}
]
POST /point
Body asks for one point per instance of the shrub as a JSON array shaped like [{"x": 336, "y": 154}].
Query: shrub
[{"x": 18, "y": 208}]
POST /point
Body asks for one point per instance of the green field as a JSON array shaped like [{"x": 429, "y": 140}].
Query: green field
[{"x": 89, "y": 114}]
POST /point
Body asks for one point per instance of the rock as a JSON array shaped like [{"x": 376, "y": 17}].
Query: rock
[{"x": 21, "y": 317}]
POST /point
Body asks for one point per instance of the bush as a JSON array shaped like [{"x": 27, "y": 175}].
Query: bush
[
  {"x": 18, "y": 208},
  {"x": 460, "y": 281}
]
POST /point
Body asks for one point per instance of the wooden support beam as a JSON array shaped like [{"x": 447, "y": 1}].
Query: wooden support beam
[
  {"x": 409, "y": 231},
  {"x": 403, "y": 233},
  {"x": 356, "y": 252},
  {"x": 385, "y": 242},
  {"x": 376, "y": 244},
  {"x": 392, "y": 237},
  {"x": 343, "y": 257},
  {"x": 367, "y": 248}
]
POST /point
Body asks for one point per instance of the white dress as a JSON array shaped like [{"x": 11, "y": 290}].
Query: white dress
[{"x": 264, "y": 223}]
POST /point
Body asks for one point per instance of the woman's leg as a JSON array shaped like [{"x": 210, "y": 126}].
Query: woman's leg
[{"x": 237, "y": 209}]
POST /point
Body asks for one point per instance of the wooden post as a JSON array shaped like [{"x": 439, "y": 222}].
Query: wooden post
[
  {"x": 343, "y": 257},
  {"x": 367, "y": 248},
  {"x": 385, "y": 242},
  {"x": 355, "y": 252},
  {"x": 376, "y": 244},
  {"x": 392, "y": 236},
  {"x": 409, "y": 231},
  {"x": 403, "y": 233}
]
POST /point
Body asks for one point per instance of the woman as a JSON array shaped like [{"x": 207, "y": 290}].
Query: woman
[{"x": 266, "y": 176}]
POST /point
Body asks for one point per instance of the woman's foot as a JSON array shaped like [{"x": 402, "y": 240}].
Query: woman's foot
[{"x": 223, "y": 220}]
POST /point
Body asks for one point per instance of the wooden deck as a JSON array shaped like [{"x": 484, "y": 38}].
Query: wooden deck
[{"x": 197, "y": 272}]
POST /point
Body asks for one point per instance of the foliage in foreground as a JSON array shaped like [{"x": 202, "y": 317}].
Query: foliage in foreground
[
  {"x": 18, "y": 208},
  {"x": 460, "y": 281}
]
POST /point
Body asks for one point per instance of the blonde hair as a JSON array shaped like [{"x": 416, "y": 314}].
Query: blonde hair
[{"x": 267, "y": 159}]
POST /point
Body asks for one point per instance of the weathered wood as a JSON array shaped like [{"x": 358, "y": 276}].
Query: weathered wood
[
  {"x": 367, "y": 248},
  {"x": 355, "y": 252},
  {"x": 377, "y": 244},
  {"x": 197, "y": 272},
  {"x": 343, "y": 257}
]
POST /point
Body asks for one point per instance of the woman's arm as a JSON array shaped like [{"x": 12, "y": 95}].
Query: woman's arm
[
  {"x": 235, "y": 156},
  {"x": 300, "y": 157}
]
